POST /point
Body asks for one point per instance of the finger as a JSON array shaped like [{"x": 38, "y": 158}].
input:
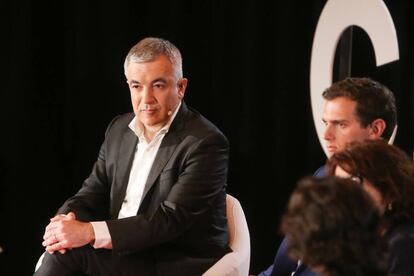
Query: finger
[
  {"x": 62, "y": 251},
  {"x": 49, "y": 233},
  {"x": 55, "y": 247},
  {"x": 49, "y": 241},
  {"x": 58, "y": 218},
  {"x": 51, "y": 238},
  {"x": 51, "y": 226}
]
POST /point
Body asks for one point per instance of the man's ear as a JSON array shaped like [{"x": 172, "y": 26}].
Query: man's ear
[
  {"x": 182, "y": 85},
  {"x": 377, "y": 128}
]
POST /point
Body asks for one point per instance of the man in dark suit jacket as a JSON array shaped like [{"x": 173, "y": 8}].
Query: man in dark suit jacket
[
  {"x": 154, "y": 203},
  {"x": 355, "y": 109}
]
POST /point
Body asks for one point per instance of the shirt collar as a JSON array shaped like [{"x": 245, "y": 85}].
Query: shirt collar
[{"x": 139, "y": 130}]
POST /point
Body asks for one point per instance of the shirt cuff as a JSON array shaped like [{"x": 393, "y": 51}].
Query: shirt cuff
[{"x": 102, "y": 236}]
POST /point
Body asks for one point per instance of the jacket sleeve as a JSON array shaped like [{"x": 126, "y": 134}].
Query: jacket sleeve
[{"x": 400, "y": 255}]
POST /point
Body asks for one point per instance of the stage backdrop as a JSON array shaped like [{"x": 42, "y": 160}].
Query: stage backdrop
[{"x": 248, "y": 68}]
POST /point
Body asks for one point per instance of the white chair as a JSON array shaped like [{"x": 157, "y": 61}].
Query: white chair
[{"x": 235, "y": 263}]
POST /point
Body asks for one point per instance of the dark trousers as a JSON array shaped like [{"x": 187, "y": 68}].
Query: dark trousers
[{"x": 90, "y": 261}]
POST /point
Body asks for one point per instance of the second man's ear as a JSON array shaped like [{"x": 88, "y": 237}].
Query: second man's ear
[{"x": 377, "y": 128}]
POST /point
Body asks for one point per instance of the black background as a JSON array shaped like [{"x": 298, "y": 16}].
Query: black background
[{"x": 248, "y": 68}]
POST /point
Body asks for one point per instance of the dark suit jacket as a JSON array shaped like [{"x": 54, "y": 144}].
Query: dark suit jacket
[
  {"x": 283, "y": 265},
  {"x": 182, "y": 217},
  {"x": 401, "y": 249}
]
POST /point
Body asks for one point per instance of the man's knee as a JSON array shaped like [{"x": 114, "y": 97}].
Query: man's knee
[{"x": 72, "y": 262}]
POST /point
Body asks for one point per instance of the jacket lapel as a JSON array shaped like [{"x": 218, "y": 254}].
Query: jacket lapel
[
  {"x": 167, "y": 148},
  {"x": 124, "y": 164},
  {"x": 164, "y": 154}
]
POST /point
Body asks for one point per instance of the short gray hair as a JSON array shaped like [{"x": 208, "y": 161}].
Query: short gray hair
[{"x": 150, "y": 48}]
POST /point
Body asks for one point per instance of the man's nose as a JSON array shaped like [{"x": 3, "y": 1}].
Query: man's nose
[
  {"x": 328, "y": 134},
  {"x": 147, "y": 95}
]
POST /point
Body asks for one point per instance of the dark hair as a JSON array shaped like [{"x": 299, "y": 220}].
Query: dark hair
[
  {"x": 387, "y": 168},
  {"x": 333, "y": 224},
  {"x": 374, "y": 101}
]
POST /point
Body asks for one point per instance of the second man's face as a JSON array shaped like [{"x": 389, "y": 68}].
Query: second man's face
[
  {"x": 342, "y": 125},
  {"x": 155, "y": 91}
]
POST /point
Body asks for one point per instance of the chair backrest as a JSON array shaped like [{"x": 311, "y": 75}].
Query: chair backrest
[{"x": 235, "y": 263}]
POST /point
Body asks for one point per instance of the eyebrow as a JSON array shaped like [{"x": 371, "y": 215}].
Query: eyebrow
[
  {"x": 154, "y": 81},
  {"x": 159, "y": 80},
  {"x": 335, "y": 121}
]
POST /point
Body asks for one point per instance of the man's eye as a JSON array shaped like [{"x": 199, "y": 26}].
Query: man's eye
[
  {"x": 159, "y": 85},
  {"x": 135, "y": 86}
]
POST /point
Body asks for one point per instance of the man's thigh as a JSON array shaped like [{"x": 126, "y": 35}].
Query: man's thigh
[{"x": 90, "y": 261}]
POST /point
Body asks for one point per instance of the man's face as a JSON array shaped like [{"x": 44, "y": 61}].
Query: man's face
[
  {"x": 155, "y": 91},
  {"x": 342, "y": 125}
]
